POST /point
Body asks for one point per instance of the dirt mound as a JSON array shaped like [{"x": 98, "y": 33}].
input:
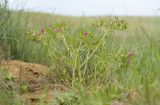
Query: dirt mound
[
  {"x": 27, "y": 71},
  {"x": 35, "y": 77}
]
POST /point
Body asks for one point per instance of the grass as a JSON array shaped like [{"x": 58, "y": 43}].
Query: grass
[{"x": 104, "y": 63}]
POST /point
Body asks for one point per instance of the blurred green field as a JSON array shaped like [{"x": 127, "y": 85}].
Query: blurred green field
[
  {"x": 108, "y": 61},
  {"x": 39, "y": 20}
]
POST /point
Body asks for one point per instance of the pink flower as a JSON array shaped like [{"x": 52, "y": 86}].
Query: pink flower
[
  {"x": 129, "y": 62},
  {"x": 131, "y": 54},
  {"x": 42, "y": 30},
  {"x": 85, "y": 33}
]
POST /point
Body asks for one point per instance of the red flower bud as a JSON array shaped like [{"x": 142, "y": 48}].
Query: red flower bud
[
  {"x": 85, "y": 33},
  {"x": 131, "y": 54},
  {"x": 42, "y": 30}
]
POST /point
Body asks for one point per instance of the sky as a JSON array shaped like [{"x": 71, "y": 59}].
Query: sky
[{"x": 91, "y": 7}]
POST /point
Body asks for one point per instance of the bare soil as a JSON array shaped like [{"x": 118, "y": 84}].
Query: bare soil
[{"x": 36, "y": 77}]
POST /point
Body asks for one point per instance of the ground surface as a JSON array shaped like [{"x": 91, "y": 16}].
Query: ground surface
[{"x": 35, "y": 77}]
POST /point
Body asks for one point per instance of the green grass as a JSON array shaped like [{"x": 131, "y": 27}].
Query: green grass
[{"x": 104, "y": 66}]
